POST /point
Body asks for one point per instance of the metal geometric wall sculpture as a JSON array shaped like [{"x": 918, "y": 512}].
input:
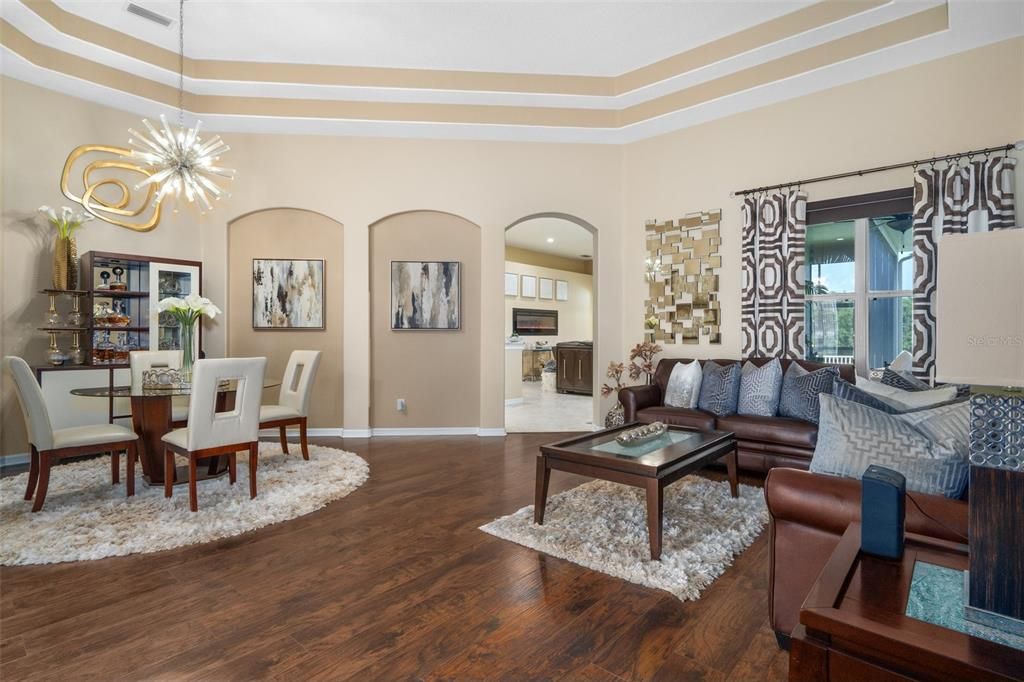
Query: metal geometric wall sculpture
[
  {"x": 683, "y": 262},
  {"x": 108, "y": 196}
]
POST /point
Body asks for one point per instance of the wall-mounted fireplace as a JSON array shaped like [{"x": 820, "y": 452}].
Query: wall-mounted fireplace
[{"x": 532, "y": 322}]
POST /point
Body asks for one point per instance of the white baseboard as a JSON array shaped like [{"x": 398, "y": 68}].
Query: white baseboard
[
  {"x": 427, "y": 431},
  {"x": 293, "y": 431},
  {"x": 357, "y": 433},
  {"x": 14, "y": 460},
  {"x": 513, "y": 401},
  {"x": 487, "y": 433}
]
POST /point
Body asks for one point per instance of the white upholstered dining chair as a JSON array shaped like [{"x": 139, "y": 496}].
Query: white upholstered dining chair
[
  {"x": 50, "y": 445},
  {"x": 210, "y": 433},
  {"x": 292, "y": 408},
  {"x": 142, "y": 360}
]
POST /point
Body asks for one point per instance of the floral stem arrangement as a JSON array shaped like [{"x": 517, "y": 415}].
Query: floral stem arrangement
[
  {"x": 615, "y": 372},
  {"x": 187, "y": 312},
  {"x": 65, "y": 250},
  {"x": 641, "y": 360}
]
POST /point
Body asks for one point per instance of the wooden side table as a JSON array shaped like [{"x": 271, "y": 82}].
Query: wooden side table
[{"x": 853, "y": 624}]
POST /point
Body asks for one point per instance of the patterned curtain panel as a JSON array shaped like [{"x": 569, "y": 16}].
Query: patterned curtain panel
[
  {"x": 975, "y": 197},
  {"x": 774, "y": 244}
]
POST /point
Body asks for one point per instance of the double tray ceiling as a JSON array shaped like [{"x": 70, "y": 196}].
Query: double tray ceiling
[{"x": 561, "y": 71}]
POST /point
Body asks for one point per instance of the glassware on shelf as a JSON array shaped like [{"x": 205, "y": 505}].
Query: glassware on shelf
[
  {"x": 54, "y": 355},
  {"x": 53, "y": 318},
  {"x": 118, "y": 284},
  {"x": 75, "y": 355},
  {"x": 106, "y": 316},
  {"x": 105, "y": 277},
  {"x": 103, "y": 352},
  {"x": 76, "y": 318}
]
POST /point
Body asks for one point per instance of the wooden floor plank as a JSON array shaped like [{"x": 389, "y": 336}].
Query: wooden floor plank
[{"x": 392, "y": 582}]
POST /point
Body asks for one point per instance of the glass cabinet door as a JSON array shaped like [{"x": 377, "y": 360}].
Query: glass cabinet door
[{"x": 170, "y": 280}]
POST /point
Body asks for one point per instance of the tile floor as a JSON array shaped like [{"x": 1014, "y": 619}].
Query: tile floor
[{"x": 549, "y": 411}]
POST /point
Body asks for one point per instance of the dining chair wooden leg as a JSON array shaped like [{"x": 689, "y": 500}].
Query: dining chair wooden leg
[
  {"x": 115, "y": 467},
  {"x": 284, "y": 439},
  {"x": 44, "y": 481},
  {"x": 253, "y": 460},
  {"x": 302, "y": 439},
  {"x": 193, "y": 497},
  {"x": 168, "y": 472},
  {"x": 33, "y": 473},
  {"x": 130, "y": 470},
  {"x": 232, "y": 468}
]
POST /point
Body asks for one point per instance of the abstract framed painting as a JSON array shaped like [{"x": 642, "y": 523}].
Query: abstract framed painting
[
  {"x": 426, "y": 295},
  {"x": 287, "y": 294}
]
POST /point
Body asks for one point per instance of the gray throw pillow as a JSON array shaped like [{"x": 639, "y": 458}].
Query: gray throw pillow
[
  {"x": 929, "y": 447},
  {"x": 720, "y": 389},
  {"x": 683, "y": 388},
  {"x": 800, "y": 390},
  {"x": 759, "y": 389}
]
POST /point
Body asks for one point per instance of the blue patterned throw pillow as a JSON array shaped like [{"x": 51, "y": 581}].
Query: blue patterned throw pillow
[
  {"x": 844, "y": 390},
  {"x": 905, "y": 381},
  {"x": 929, "y": 447},
  {"x": 800, "y": 391},
  {"x": 759, "y": 389},
  {"x": 720, "y": 389}
]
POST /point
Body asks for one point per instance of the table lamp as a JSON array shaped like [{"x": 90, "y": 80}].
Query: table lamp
[{"x": 980, "y": 341}]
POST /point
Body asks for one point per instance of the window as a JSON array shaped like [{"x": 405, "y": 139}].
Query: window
[{"x": 860, "y": 280}]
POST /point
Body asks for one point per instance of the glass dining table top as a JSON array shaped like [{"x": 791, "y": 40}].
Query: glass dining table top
[{"x": 139, "y": 392}]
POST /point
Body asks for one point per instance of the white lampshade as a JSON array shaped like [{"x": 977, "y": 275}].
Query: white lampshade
[{"x": 980, "y": 308}]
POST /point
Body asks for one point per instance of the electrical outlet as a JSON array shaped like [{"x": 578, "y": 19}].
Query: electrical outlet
[{"x": 400, "y": 404}]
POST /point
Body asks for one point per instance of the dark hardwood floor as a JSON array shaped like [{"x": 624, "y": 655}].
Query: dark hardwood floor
[{"x": 392, "y": 582}]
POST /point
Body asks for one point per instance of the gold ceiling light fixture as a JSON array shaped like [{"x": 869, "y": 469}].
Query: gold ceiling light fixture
[{"x": 180, "y": 161}]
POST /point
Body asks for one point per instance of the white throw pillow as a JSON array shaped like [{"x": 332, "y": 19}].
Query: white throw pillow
[
  {"x": 877, "y": 387},
  {"x": 904, "y": 362},
  {"x": 683, "y": 387}
]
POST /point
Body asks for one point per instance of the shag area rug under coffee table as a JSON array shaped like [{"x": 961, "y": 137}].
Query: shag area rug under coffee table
[
  {"x": 603, "y": 526},
  {"x": 85, "y": 517}
]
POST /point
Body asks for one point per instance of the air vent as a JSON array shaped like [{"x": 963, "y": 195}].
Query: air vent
[
  {"x": 148, "y": 14},
  {"x": 585, "y": 256}
]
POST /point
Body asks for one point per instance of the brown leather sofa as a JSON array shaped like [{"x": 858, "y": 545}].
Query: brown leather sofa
[
  {"x": 809, "y": 514},
  {"x": 763, "y": 442}
]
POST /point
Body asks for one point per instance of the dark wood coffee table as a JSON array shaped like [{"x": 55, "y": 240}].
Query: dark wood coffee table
[{"x": 668, "y": 462}]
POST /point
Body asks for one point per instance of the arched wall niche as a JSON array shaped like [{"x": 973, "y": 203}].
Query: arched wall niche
[
  {"x": 437, "y": 373},
  {"x": 286, "y": 233}
]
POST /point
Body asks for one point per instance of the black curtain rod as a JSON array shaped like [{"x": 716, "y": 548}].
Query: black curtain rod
[{"x": 879, "y": 169}]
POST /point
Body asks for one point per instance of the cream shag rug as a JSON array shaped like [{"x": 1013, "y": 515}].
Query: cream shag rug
[
  {"x": 85, "y": 517},
  {"x": 603, "y": 526}
]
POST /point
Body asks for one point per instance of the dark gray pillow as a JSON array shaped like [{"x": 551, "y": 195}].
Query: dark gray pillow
[
  {"x": 905, "y": 381},
  {"x": 759, "y": 389},
  {"x": 800, "y": 391},
  {"x": 844, "y": 390},
  {"x": 720, "y": 389}
]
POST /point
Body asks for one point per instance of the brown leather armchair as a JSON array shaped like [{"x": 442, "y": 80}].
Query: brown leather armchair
[
  {"x": 762, "y": 442},
  {"x": 808, "y": 515}
]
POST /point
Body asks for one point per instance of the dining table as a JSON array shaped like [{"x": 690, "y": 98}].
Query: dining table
[{"x": 151, "y": 420}]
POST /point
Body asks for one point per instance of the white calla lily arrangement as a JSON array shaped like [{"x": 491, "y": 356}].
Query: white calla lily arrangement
[
  {"x": 187, "y": 312},
  {"x": 66, "y": 219}
]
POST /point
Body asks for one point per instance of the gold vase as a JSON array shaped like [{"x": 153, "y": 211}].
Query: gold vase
[
  {"x": 60, "y": 264},
  {"x": 72, "y": 266}
]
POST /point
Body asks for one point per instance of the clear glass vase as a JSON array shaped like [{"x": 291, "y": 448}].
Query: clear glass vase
[{"x": 187, "y": 350}]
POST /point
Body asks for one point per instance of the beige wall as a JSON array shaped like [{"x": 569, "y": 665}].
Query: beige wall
[
  {"x": 575, "y": 316},
  {"x": 549, "y": 260},
  {"x": 436, "y": 372},
  {"x": 289, "y": 233},
  {"x": 968, "y": 101},
  {"x": 38, "y": 130}
]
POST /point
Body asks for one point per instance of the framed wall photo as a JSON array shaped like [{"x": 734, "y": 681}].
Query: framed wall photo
[
  {"x": 561, "y": 290},
  {"x": 511, "y": 284},
  {"x": 287, "y": 294},
  {"x": 529, "y": 286},
  {"x": 426, "y": 295},
  {"x": 547, "y": 288}
]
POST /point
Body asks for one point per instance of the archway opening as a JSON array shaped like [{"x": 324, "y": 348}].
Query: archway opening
[{"x": 550, "y": 324}]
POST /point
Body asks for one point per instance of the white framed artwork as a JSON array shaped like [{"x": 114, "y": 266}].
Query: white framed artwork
[
  {"x": 528, "y": 286},
  {"x": 511, "y": 284},
  {"x": 547, "y": 288},
  {"x": 561, "y": 290}
]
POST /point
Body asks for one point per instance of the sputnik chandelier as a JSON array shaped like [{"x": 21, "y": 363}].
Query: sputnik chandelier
[{"x": 180, "y": 161}]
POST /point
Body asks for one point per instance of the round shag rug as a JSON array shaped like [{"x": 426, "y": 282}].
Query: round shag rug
[{"x": 85, "y": 517}]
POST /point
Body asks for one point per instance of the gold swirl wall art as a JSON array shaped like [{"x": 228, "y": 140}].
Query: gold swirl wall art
[{"x": 105, "y": 193}]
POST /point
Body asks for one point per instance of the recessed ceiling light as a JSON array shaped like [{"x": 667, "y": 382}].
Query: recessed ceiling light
[
  {"x": 551, "y": 240},
  {"x": 840, "y": 239},
  {"x": 585, "y": 256}
]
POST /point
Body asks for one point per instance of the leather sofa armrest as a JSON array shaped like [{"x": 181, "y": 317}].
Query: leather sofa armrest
[
  {"x": 636, "y": 398},
  {"x": 831, "y": 503}
]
